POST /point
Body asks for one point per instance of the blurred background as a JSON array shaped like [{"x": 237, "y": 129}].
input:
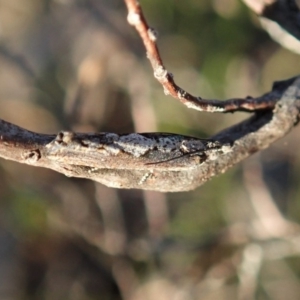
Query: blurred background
[{"x": 77, "y": 65}]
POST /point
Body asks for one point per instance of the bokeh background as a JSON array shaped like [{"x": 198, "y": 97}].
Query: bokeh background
[{"x": 77, "y": 65}]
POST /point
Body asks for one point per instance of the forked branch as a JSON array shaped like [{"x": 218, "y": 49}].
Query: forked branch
[{"x": 159, "y": 161}]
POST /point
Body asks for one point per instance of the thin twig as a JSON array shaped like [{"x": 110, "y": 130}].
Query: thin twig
[{"x": 137, "y": 19}]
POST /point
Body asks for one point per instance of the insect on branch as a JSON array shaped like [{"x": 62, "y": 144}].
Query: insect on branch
[{"x": 148, "y": 35}]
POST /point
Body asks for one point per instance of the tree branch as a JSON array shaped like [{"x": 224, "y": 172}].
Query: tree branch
[
  {"x": 156, "y": 161},
  {"x": 286, "y": 13},
  {"x": 281, "y": 19},
  {"x": 159, "y": 161},
  {"x": 148, "y": 35}
]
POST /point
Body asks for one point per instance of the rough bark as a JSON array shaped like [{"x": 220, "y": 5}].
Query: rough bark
[
  {"x": 156, "y": 161},
  {"x": 165, "y": 161}
]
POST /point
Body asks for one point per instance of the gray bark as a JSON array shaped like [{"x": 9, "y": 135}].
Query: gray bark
[{"x": 155, "y": 161}]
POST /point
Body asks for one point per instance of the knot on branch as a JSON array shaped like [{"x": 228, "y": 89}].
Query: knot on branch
[{"x": 32, "y": 156}]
